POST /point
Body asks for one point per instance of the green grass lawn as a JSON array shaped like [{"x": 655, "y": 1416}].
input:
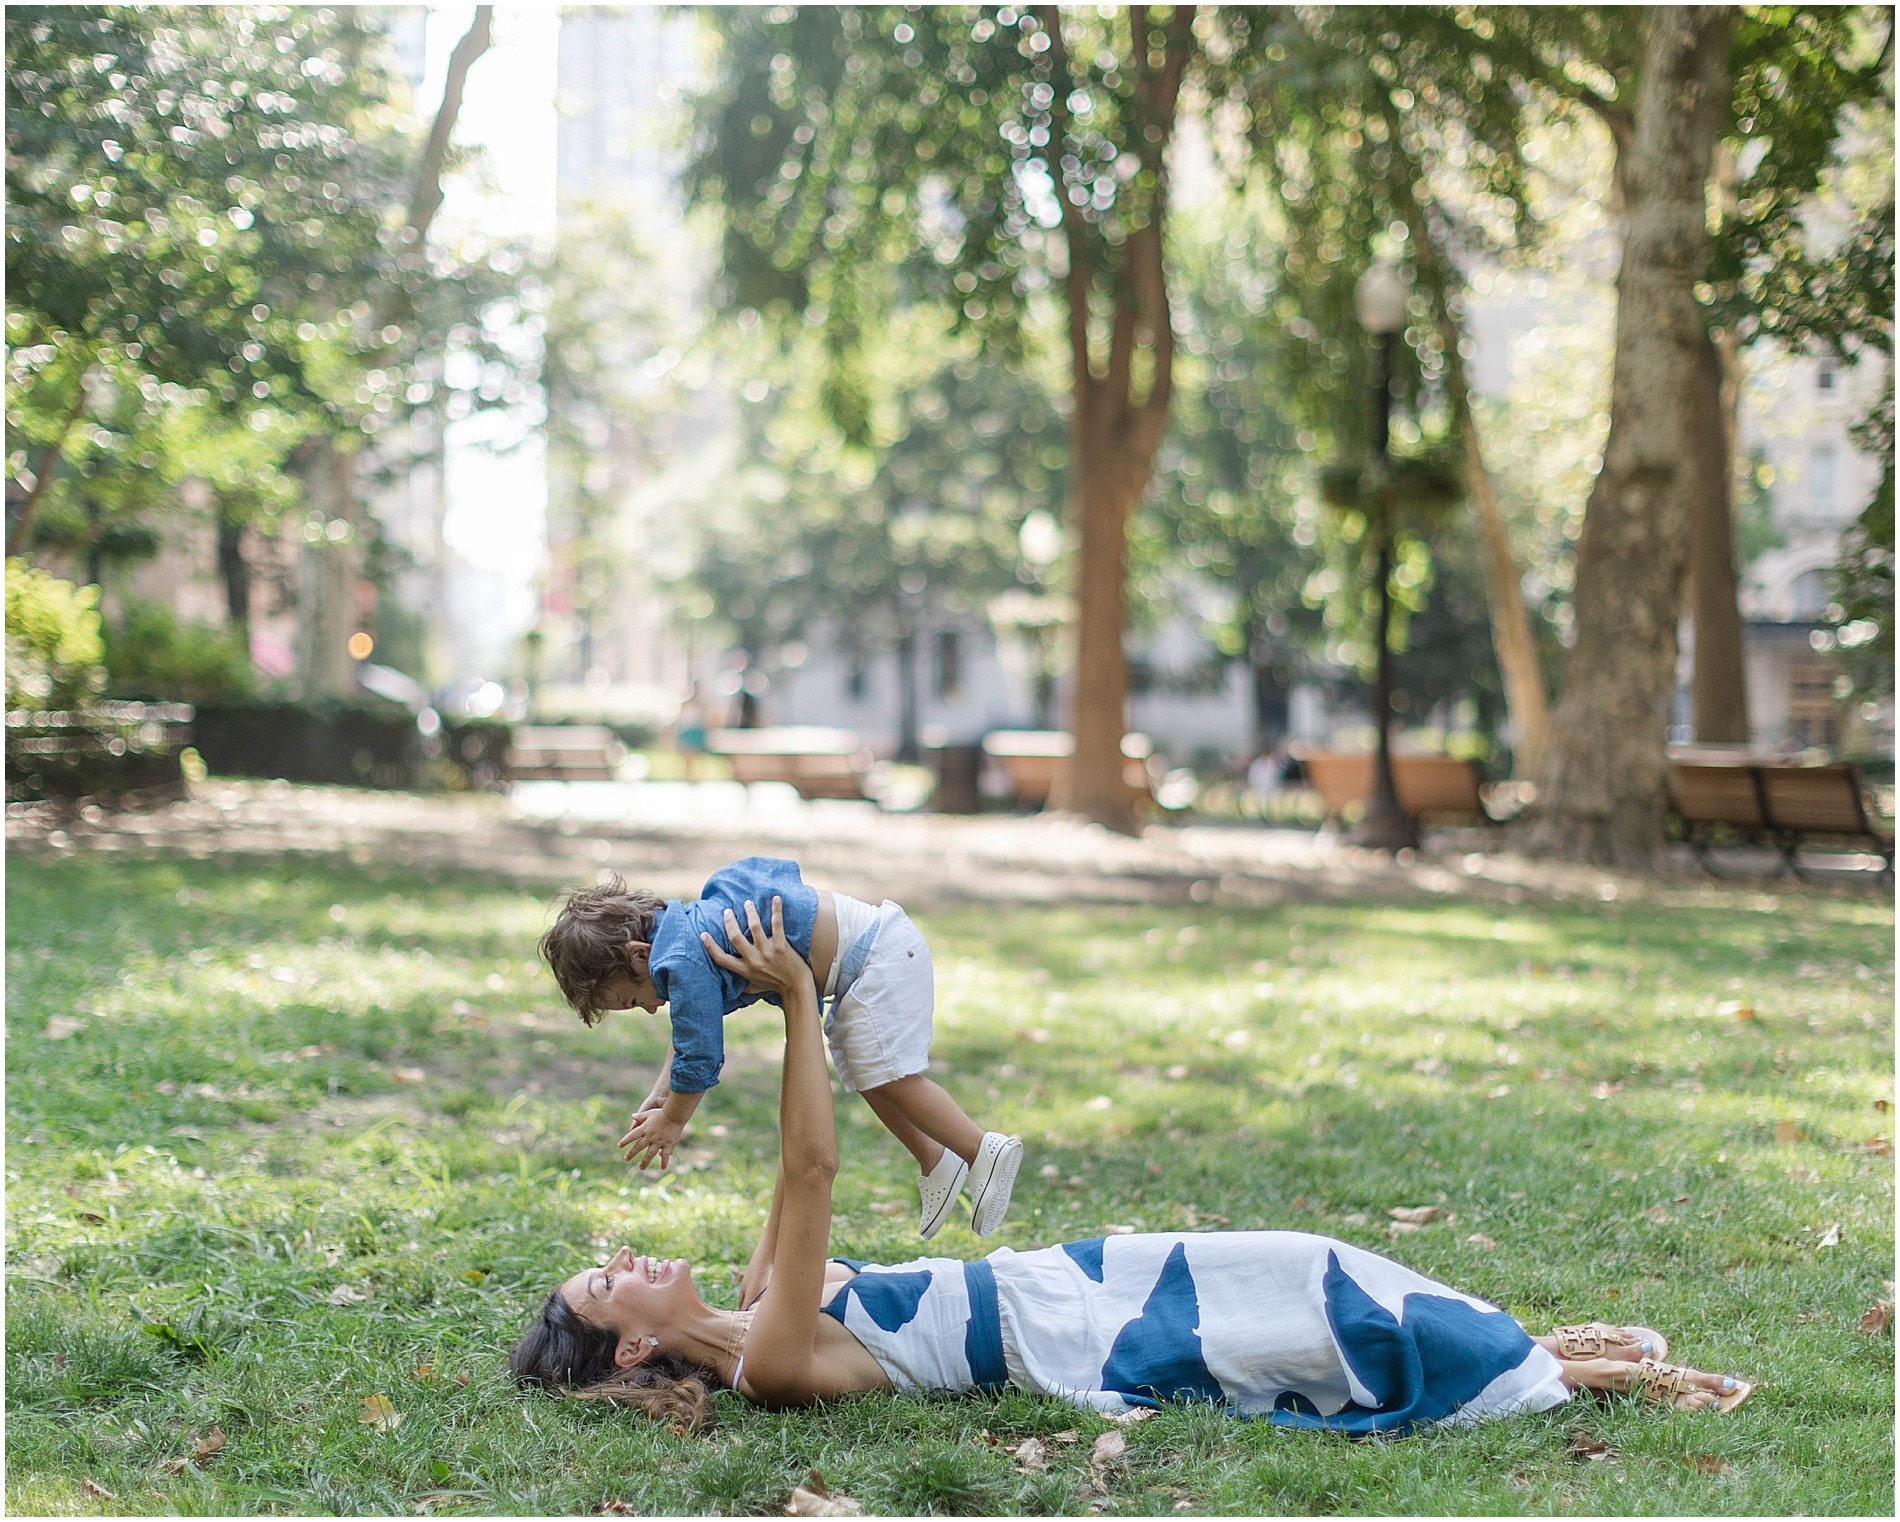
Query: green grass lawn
[{"x": 282, "y": 1138}]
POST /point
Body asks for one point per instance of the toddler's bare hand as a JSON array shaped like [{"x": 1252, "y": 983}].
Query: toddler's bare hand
[{"x": 652, "y": 1137}]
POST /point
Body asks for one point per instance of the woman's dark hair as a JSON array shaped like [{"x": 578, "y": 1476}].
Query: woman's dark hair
[
  {"x": 586, "y": 945},
  {"x": 565, "y": 1356}
]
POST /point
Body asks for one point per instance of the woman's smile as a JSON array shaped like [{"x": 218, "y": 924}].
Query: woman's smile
[{"x": 657, "y": 1270}]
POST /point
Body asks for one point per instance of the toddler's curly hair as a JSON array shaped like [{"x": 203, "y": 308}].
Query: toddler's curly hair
[{"x": 586, "y": 944}]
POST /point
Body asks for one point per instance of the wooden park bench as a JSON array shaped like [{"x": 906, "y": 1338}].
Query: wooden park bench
[
  {"x": 1033, "y": 759},
  {"x": 564, "y": 753},
  {"x": 819, "y": 762},
  {"x": 1441, "y": 787},
  {"x": 1767, "y": 798}
]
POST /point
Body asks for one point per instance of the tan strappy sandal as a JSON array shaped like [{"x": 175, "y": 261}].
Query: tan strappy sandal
[
  {"x": 1589, "y": 1340},
  {"x": 1668, "y": 1382}
]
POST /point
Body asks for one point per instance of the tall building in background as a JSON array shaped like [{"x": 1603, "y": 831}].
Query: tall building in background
[
  {"x": 629, "y": 440},
  {"x": 1811, "y": 481}
]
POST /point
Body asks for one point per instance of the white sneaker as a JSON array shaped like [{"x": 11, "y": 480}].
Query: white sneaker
[
  {"x": 992, "y": 1180},
  {"x": 937, "y": 1191}
]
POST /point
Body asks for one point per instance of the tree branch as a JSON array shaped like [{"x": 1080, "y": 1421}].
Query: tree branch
[
  {"x": 1146, "y": 249},
  {"x": 1081, "y": 276},
  {"x": 49, "y": 462},
  {"x": 425, "y": 198}
]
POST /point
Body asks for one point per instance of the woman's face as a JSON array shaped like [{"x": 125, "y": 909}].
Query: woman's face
[{"x": 633, "y": 1297}]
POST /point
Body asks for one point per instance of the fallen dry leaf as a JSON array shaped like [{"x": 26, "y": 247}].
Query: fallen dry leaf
[
  {"x": 1108, "y": 1449},
  {"x": 1739, "y": 1009},
  {"x": 424, "y": 1372},
  {"x": 1788, "y": 1133},
  {"x": 1709, "y": 1463},
  {"x": 347, "y": 1294},
  {"x": 1132, "y": 1418},
  {"x": 814, "y": 1499},
  {"x": 1878, "y": 1318},
  {"x": 1605, "y": 1089},
  {"x": 461, "y": 1380},
  {"x": 176, "y": 1466},
  {"x": 1883, "y": 1105},
  {"x": 1591, "y": 1449},
  {"x": 613, "y": 1506},
  {"x": 1479, "y": 1239},
  {"x": 1418, "y": 1215},
  {"x": 209, "y": 1444},
  {"x": 1831, "y": 1237},
  {"x": 1030, "y": 1454},
  {"x": 97, "y": 1491},
  {"x": 1804, "y": 1175},
  {"x": 1877, "y": 1146},
  {"x": 380, "y": 1412},
  {"x": 1399, "y": 1228},
  {"x": 1066, "y": 1435},
  {"x": 1657, "y": 1213}
]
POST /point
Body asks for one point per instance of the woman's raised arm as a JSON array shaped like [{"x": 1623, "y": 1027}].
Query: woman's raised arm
[{"x": 778, "y": 1352}]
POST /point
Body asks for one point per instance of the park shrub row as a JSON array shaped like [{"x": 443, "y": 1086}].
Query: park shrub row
[{"x": 142, "y": 750}]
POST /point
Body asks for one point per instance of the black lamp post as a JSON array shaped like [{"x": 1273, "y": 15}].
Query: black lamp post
[{"x": 1379, "y": 300}]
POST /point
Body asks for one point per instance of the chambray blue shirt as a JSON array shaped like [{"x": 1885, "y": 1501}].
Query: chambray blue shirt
[{"x": 699, "y": 993}]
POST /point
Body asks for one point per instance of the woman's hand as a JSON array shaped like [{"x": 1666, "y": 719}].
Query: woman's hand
[{"x": 764, "y": 959}]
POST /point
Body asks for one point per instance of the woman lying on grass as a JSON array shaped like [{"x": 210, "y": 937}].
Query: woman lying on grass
[{"x": 1302, "y": 1330}]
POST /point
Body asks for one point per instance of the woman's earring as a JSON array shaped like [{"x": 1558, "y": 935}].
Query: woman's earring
[{"x": 653, "y": 1342}]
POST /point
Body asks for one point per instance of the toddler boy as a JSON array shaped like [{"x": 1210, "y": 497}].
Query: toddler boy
[{"x": 616, "y": 947}]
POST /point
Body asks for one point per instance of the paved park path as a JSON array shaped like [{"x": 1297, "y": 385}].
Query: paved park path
[{"x": 670, "y": 836}]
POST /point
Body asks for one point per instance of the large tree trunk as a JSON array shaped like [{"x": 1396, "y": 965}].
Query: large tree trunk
[
  {"x": 330, "y": 572},
  {"x": 1116, "y": 424},
  {"x": 1102, "y": 499},
  {"x": 1601, "y": 792},
  {"x": 1720, "y": 689},
  {"x": 1270, "y": 717},
  {"x": 236, "y": 571},
  {"x": 1511, "y": 635}
]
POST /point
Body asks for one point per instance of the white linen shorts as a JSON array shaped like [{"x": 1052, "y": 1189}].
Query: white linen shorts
[{"x": 879, "y": 1028}]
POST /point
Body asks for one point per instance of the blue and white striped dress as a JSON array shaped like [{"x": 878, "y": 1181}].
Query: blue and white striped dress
[{"x": 1302, "y": 1330}]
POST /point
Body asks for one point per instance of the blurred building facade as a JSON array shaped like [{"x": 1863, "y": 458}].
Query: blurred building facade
[
  {"x": 1795, "y": 432},
  {"x": 610, "y": 642}
]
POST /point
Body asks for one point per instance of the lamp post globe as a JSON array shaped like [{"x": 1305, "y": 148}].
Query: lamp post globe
[{"x": 1379, "y": 302}]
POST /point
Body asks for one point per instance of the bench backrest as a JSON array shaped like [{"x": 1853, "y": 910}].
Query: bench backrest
[
  {"x": 563, "y": 737},
  {"x": 1716, "y": 793},
  {"x": 785, "y": 740},
  {"x": 1426, "y": 784},
  {"x": 1814, "y": 798}
]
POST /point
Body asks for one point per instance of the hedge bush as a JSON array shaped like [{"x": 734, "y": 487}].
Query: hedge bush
[{"x": 346, "y": 742}]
